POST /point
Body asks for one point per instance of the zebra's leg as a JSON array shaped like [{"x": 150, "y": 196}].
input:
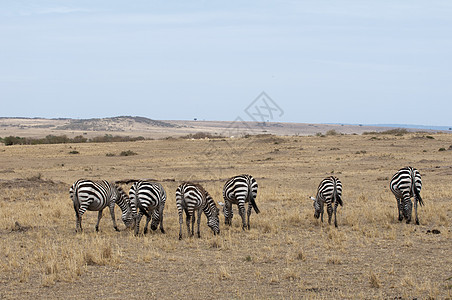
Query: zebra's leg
[
  {"x": 228, "y": 219},
  {"x": 112, "y": 213},
  {"x": 188, "y": 223},
  {"x": 329, "y": 210},
  {"x": 241, "y": 205},
  {"x": 415, "y": 211},
  {"x": 199, "y": 222},
  {"x": 400, "y": 209},
  {"x": 321, "y": 211},
  {"x": 78, "y": 219},
  {"x": 181, "y": 220},
  {"x": 99, "y": 216},
  {"x": 147, "y": 224},
  {"x": 161, "y": 218},
  {"x": 249, "y": 214},
  {"x": 137, "y": 222},
  {"x": 335, "y": 210}
]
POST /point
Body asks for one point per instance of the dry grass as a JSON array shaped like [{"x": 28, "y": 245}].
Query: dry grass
[{"x": 286, "y": 254}]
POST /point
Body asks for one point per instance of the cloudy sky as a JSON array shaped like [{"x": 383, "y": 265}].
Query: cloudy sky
[{"x": 343, "y": 61}]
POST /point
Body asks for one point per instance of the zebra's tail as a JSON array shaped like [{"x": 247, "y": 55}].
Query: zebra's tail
[
  {"x": 253, "y": 202},
  {"x": 337, "y": 198},
  {"x": 415, "y": 192},
  {"x": 73, "y": 192},
  {"x": 142, "y": 209}
]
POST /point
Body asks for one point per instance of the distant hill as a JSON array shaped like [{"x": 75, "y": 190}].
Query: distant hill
[
  {"x": 148, "y": 128},
  {"x": 120, "y": 123}
]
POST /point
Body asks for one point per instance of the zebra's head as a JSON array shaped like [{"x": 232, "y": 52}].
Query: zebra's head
[
  {"x": 407, "y": 210},
  {"x": 155, "y": 220},
  {"x": 316, "y": 207},
  {"x": 214, "y": 220},
  {"x": 128, "y": 217}
]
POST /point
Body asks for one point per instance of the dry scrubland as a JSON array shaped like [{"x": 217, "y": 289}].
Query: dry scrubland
[{"x": 286, "y": 254}]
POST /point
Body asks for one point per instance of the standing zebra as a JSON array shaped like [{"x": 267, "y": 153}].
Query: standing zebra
[
  {"x": 95, "y": 196},
  {"x": 191, "y": 197},
  {"x": 329, "y": 192},
  {"x": 406, "y": 183},
  {"x": 149, "y": 198},
  {"x": 239, "y": 190}
]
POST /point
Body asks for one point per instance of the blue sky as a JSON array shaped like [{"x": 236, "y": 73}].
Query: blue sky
[{"x": 321, "y": 61}]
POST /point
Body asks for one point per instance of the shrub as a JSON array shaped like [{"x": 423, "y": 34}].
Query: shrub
[
  {"x": 331, "y": 132},
  {"x": 128, "y": 153}
]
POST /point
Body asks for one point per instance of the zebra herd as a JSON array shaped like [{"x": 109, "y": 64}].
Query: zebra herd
[{"x": 148, "y": 198}]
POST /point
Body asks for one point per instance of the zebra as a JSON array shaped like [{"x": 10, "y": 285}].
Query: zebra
[
  {"x": 191, "y": 197},
  {"x": 149, "y": 198},
  {"x": 95, "y": 196},
  {"x": 239, "y": 190},
  {"x": 329, "y": 192},
  {"x": 406, "y": 183}
]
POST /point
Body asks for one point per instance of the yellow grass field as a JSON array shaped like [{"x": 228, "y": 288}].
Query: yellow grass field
[{"x": 287, "y": 254}]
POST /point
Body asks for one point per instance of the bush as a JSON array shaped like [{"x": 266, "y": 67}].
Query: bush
[
  {"x": 128, "y": 153},
  {"x": 331, "y": 132}
]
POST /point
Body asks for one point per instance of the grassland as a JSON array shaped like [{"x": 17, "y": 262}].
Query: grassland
[{"x": 286, "y": 254}]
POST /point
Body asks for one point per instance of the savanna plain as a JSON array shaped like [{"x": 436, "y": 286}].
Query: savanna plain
[{"x": 287, "y": 254}]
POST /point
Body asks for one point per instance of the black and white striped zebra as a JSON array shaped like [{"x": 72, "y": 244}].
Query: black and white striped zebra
[
  {"x": 406, "y": 183},
  {"x": 95, "y": 196},
  {"x": 149, "y": 198},
  {"x": 239, "y": 190},
  {"x": 329, "y": 192},
  {"x": 191, "y": 197}
]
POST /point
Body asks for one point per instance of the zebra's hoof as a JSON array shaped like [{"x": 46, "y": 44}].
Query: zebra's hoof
[
  {"x": 162, "y": 230},
  {"x": 145, "y": 230},
  {"x": 180, "y": 237},
  {"x": 153, "y": 227},
  {"x": 417, "y": 222},
  {"x": 116, "y": 228}
]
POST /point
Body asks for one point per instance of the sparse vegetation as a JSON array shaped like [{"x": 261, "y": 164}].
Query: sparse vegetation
[
  {"x": 63, "y": 139},
  {"x": 286, "y": 253},
  {"x": 395, "y": 132},
  {"x": 128, "y": 153},
  {"x": 202, "y": 135}
]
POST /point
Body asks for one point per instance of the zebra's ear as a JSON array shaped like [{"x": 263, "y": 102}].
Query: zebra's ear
[
  {"x": 221, "y": 203},
  {"x": 313, "y": 199}
]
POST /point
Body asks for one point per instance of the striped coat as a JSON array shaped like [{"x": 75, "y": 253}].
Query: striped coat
[
  {"x": 148, "y": 198},
  {"x": 406, "y": 183},
  {"x": 329, "y": 192},
  {"x": 191, "y": 197},
  {"x": 95, "y": 196}
]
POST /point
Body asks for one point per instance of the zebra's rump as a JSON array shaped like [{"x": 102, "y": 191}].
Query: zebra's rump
[
  {"x": 405, "y": 181},
  {"x": 93, "y": 195},
  {"x": 148, "y": 195},
  {"x": 329, "y": 190}
]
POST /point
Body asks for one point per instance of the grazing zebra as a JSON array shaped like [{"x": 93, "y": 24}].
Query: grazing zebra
[
  {"x": 406, "y": 183},
  {"x": 95, "y": 196},
  {"x": 149, "y": 198},
  {"x": 239, "y": 190},
  {"x": 191, "y": 197},
  {"x": 329, "y": 192}
]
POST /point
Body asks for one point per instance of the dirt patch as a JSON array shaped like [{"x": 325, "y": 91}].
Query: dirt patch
[{"x": 32, "y": 183}]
